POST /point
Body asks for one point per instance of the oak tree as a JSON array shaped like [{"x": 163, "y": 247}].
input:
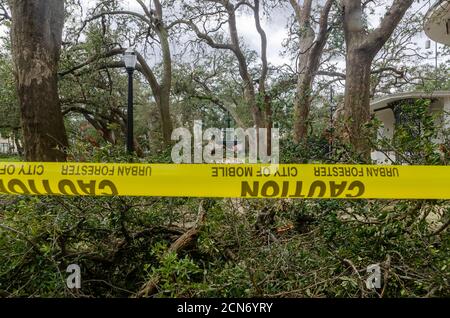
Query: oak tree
[{"x": 36, "y": 37}]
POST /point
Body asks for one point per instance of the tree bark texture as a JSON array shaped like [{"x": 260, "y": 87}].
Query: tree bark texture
[
  {"x": 362, "y": 46},
  {"x": 311, "y": 49},
  {"x": 36, "y": 36}
]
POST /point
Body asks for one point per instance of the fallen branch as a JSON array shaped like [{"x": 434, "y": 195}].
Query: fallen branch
[
  {"x": 150, "y": 287},
  {"x": 387, "y": 268},
  {"x": 441, "y": 229},
  {"x": 360, "y": 280}
]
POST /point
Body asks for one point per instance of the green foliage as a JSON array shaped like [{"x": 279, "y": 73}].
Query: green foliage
[
  {"x": 9, "y": 106},
  {"x": 175, "y": 276},
  {"x": 305, "y": 248},
  {"x": 420, "y": 136},
  {"x": 245, "y": 248}
]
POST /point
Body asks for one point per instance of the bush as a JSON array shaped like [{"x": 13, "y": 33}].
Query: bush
[{"x": 244, "y": 248}]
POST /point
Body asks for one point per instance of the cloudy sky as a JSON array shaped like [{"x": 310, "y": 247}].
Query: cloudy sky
[{"x": 276, "y": 26}]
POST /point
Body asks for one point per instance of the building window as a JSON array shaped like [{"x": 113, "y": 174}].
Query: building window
[{"x": 4, "y": 148}]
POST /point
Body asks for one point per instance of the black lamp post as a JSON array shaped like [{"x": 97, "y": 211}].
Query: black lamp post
[
  {"x": 130, "y": 60},
  {"x": 225, "y": 130},
  {"x": 228, "y": 119}
]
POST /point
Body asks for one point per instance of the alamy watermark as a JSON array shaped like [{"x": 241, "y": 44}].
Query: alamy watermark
[
  {"x": 74, "y": 279},
  {"x": 374, "y": 280},
  {"x": 229, "y": 145}
]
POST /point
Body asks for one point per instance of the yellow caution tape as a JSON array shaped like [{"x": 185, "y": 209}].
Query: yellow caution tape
[{"x": 227, "y": 180}]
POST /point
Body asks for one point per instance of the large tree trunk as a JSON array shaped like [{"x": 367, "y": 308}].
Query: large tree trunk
[
  {"x": 269, "y": 122},
  {"x": 357, "y": 100},
  {"x": 36, "y": 42},
  {"x": 166, "y": 122},
  {"x": 302, "y": 101},
  {"x": 302, "y": 107},
  {"x": 166, "y": 83},
  {"x": 362, "y": 47},
  {"x": 311, "y": 50}
]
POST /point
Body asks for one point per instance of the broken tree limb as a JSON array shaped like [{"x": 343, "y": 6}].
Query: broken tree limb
[{"x": 150, "y": 287}]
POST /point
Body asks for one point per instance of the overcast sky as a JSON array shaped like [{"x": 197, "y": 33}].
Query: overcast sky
[{"x": 276, "y": 27}]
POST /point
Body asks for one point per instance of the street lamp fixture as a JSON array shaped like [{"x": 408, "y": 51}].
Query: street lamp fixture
[{"x": 130, "y": 60}]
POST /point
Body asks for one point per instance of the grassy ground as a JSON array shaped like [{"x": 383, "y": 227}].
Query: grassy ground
[{"x": 10, "y": 158}]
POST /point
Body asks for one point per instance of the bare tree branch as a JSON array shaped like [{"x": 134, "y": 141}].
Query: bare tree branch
[
  {"x": 378, "y": 37},
  {"x": 263, "y": 36},
  {"x": 204, "y": 36}
]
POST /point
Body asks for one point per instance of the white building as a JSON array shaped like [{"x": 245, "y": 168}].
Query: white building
[
  {"x": 437, "y": 22},
  {"x": 387, "y": 109},
  {"x": 7, "y": 146},
  {"x": 437, "y": 28}
]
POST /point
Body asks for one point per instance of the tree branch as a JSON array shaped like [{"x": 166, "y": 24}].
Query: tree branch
[
  {"x": 119, "y": 12},
  {"x": 93, "y": 59},
  {"x": 263, "y": 36},
  {"x": 208, "y": 39},
  {"x": 378, "y": 37},
  {"x": 331, "y": 74},
  {"x": 144, "y": 7},
  {"x": 142, "y": 67},
  {"x": 150, "y": 287},
  {"x": 4, "y": 15}
]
